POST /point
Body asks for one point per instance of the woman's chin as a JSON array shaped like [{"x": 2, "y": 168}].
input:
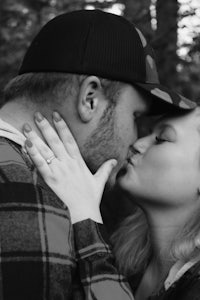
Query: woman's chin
[
  {"x": 123, "y": 179},
  {"x": 121, "y": 173},
  {"x": 127, "y": 180}
]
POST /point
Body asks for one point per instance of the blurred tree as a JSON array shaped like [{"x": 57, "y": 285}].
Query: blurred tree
[
  {"x": 138, "y": 12},
  {"x": 189, "y": 75},
  {"x": 19, "y": 23},
  {"x": 103, "y": 5},
  {"x": 189, "y": 65},
  {"x": 165, "y": 41},
  {"x": 11, "y": 38}
]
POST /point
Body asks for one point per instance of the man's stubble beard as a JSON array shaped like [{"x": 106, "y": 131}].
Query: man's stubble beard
[{"x": 102, "y": 144}]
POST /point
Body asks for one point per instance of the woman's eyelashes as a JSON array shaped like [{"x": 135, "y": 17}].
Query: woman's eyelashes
[
  {"x": 160, "y": 140},
  {"x": 168, "y": 134}
]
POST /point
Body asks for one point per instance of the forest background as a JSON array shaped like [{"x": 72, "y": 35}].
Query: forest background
[{"x": 172, "y": 27}]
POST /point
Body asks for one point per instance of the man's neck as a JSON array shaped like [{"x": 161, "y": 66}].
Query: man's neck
[{"x": 17, "y": 113}]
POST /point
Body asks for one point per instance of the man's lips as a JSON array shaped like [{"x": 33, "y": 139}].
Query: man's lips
[
  {"x": 130, "y": 161},
  {"x": 133, "y": 160},
  {"x": 123, "y": 170}
]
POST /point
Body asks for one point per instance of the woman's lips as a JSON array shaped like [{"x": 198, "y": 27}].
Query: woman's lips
[{"x": 133, "y": 160}]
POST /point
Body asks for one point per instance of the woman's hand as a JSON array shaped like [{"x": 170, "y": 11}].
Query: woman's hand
[{"x": 64, "y": 170}]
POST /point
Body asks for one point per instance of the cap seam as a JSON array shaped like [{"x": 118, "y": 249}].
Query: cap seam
[{"x": 85, "y": 45}]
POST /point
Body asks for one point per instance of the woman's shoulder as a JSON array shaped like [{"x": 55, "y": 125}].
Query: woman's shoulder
[{"x": 187, "y": 287}]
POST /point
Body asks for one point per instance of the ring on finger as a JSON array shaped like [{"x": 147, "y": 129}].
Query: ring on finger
[{"x": 49, "y": 160}]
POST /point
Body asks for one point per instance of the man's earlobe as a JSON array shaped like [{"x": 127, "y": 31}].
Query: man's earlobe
[{"x": 88, "y": 98}]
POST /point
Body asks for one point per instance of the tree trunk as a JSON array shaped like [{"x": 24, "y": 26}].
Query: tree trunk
[
  {"x": 165, "y": 42},
  {"x": 138, "y": 12}
]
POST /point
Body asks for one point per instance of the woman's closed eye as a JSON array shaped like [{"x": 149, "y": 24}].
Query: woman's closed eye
[
  {"x": 168, "y": 134},
  {"x": 160, "y": 140}
]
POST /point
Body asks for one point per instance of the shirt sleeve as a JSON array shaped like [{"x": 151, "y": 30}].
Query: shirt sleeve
[
  {"x": 37, "y": 259},
  {"x": 99, "y": 275}
]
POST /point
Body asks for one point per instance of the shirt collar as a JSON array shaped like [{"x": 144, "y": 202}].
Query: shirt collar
[
  {"x": 177, "y": 271},
  {"x": 10, "y": 132}
]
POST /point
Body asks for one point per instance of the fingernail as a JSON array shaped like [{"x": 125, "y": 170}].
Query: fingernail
[
  {"x": 56, "y": 116},
  {"x": 28, "y": 143},
  {"x": 27, "y": 128},
  {"x": 114, "y": 163},
  {"x": 39, "y": 117}
]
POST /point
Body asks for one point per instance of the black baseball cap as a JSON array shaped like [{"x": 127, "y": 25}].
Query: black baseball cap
[{"x": 93, "y": 42}]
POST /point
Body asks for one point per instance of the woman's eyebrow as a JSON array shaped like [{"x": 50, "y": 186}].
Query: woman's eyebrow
[{"x": 162, "y": 126}]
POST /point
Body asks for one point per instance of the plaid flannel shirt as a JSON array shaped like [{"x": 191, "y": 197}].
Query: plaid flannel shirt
[{"x": 42, "y": 256}]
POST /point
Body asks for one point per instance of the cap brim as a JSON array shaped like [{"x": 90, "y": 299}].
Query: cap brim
[{"x": 169, "y": 99}]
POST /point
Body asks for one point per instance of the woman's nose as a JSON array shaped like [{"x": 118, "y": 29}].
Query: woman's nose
[{"x": 141, "y": 145}]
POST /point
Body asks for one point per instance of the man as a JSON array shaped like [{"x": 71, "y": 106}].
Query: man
[{"x": 98, "y": 72}]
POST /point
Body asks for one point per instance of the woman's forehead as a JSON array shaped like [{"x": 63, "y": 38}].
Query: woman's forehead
[
  {"x": 192, "y": 116},
  {"x": 147, "y": 125}
]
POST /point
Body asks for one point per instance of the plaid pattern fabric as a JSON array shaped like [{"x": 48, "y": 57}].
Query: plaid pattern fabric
[
  {"x": 38, "y": 259},
  {"x": 98, "y": 273},
  {"x": 37, "y": 252}
]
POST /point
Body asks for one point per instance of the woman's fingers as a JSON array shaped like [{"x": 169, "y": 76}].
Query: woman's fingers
[
  {"x": 105, "y": 170},
  {"x": 66, "y": 136},
  {"x": 42, "y": 148},
  {"x": 38, "y": 159},
  {"x": 84, "y": 190},
  {"x": 50, "y": 136}
]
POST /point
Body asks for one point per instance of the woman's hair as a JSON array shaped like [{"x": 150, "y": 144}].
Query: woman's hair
[
  {"x": 187, "y": 243},
  {"x": 132, "y": 244}
]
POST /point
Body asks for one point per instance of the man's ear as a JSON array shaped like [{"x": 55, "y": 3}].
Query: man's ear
[{"x": 88, "y": 99}]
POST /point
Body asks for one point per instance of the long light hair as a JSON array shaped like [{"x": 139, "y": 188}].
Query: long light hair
[{"x": 132, "y": 244}]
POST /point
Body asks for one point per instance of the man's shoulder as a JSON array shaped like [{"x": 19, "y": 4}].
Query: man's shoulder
[
  {"x": 13, "y": 164},
  {"x": 9, "y": 153},
  {"x": 19, "y": 177}
]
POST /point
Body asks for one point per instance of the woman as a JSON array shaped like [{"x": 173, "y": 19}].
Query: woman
[{"x": 161, "y": 249}]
